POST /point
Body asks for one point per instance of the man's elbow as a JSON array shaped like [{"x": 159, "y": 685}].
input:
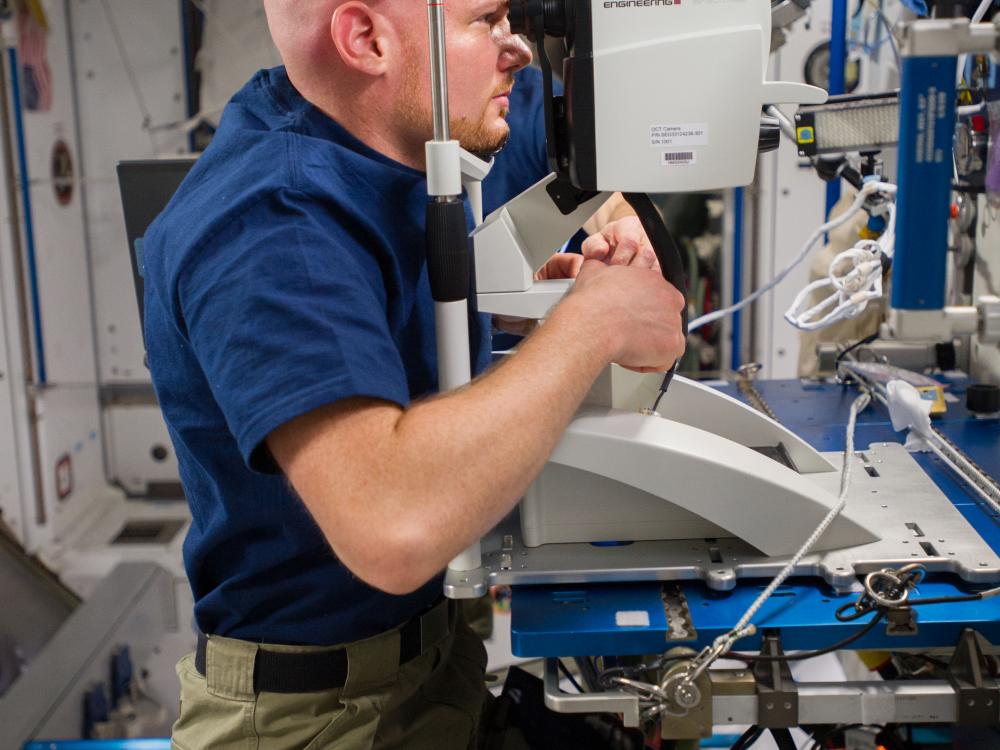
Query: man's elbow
[{"x": 393, "y": 565}]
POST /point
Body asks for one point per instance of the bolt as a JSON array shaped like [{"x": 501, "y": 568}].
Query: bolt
[
  {"x": 769, "y": 706},
  {"x": 971, "y": 702},
  {"x": 788, "y": 706},
  {"x": 687, "y": 695}
]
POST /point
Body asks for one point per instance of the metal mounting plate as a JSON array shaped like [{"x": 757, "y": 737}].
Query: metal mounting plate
[{"x": 913, "y": 517}]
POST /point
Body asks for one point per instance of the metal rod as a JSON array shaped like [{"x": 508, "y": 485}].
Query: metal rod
[
  {"x": 439, "y": 69},
  {"x": 982, "y": 484}
]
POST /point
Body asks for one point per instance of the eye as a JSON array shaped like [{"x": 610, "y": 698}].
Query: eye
[{"x": 495, "y": 16}]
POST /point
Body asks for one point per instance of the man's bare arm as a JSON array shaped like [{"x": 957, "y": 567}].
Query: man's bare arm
[{"x": 398, "y": 493}]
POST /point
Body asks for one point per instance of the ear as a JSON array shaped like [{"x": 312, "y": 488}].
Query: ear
[{"x": 359, "y": 34}]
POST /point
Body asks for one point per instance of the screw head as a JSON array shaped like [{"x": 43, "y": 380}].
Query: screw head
[{"x": 687, "y": 695}]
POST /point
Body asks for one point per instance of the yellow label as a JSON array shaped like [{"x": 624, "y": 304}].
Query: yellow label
[{"x": 934, "y": 394}]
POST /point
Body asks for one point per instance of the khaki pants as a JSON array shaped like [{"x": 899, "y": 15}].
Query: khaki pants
[{"x": 433, "y": 702}]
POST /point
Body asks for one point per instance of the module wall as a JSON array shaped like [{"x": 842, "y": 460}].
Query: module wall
[{"x": 132, "y": 101}]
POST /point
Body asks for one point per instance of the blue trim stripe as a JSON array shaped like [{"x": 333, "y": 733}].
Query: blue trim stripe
[
  {"x": 837, "y": 83},
  {"x": 29, "y": 229}
]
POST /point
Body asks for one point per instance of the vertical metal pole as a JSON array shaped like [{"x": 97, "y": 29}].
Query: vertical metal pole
[
  {"x": 737, "y": 335},
  {"x": 439, "y": 70},
  {"x": 447, "y": 247}
]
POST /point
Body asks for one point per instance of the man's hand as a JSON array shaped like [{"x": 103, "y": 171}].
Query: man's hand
[
  {"x": 634, "y": 310},
  {"x": 621, "y": 243},
  {"x": 559, "y": 266}
]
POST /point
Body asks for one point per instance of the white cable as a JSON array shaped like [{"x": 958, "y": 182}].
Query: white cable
[
  {"x": 981, "y": 11},
  {"x": 852, "y": 288},
  {"x": 976, "y": 18},
  {"x": 867, "y": 190},
  {"x": 970, "y": 109},
  {"x": 723, "y": 643}
]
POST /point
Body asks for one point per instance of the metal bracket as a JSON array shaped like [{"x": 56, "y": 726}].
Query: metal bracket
[
  {"x": 612, "y": 701},
  {"x": 977, "y": 694},
  {"x": 902, "y": 621},
  {"x": 680, "y": 626},
  {"x": 777, "y": 694},
  {"x": 466, "y": 584}
]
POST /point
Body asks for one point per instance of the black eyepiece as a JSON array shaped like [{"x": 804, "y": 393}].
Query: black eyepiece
[
  {"x": 553, "y": 13},
  {"x": 518, "y": 15}
]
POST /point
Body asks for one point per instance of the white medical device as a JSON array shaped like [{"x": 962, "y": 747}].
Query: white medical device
[{"x": 660, "y": 97}]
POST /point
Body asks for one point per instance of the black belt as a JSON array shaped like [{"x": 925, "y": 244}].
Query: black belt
[{"x": 283, "y": 672}]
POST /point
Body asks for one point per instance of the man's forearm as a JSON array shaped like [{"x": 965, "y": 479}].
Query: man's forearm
[
  {"x": 447, "y": 469},
  {"x": 398, "y": 493},
  {"x": 473, "y": 476}
]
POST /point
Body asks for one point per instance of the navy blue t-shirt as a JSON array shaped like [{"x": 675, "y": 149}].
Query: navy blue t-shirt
[{"x": 288, "y": 272}]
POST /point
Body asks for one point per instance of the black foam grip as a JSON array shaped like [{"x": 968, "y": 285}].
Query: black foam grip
[{"x": 448, "y": 266}]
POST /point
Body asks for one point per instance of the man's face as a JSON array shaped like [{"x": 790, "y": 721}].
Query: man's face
[{"x": 483, "y": 56}]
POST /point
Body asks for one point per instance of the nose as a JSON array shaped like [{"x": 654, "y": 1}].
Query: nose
[{"x": 515, "y": 52}]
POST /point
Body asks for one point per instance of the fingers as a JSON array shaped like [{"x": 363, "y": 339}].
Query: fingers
[
  {"x": 626, "y": 247},
  {"x": 560, "y": 266},
  {"x": 596, "y": 246},
  {"x": 622, "y": 243},
  {"x": 517, "y": 326}
]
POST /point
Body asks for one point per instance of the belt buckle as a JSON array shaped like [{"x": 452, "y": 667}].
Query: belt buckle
[{"x": 433, "y": 627}]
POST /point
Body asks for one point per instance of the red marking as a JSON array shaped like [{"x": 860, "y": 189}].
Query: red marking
[
  {"x": 954, "y": 211},
  {"x": 64, "y": 476},
  {"x": 978, "y": 123}
]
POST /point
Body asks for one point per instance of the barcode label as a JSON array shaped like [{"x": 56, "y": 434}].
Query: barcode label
[{"x": 675, "y": 158}]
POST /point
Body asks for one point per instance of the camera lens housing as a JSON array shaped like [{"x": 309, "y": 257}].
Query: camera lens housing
[{"x": 555, "y": 16}]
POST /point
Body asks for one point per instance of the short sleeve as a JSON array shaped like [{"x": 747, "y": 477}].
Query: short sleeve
[{"x": 285, "y": 311}]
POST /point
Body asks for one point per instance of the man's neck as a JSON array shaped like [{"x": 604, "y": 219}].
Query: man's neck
[{"x": 372, "y": 123}]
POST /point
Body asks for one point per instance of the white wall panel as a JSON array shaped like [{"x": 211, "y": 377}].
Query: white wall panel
[
  {"x": 236, "y": 44},
  {"x": 139, "y": 447},
  {"x": 986, "y": 357},
  {"x": 129, "y": 97},
  {"x": 69, "y": 433},
  {"x": 793, "y": 198},
  {"x": 10, "y": 485},
  {"x": 59, "y": 238},
  {"x": 792, "y": 203}
]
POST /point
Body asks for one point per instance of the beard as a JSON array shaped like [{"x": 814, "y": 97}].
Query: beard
[{"x": 473, "y": 133}]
